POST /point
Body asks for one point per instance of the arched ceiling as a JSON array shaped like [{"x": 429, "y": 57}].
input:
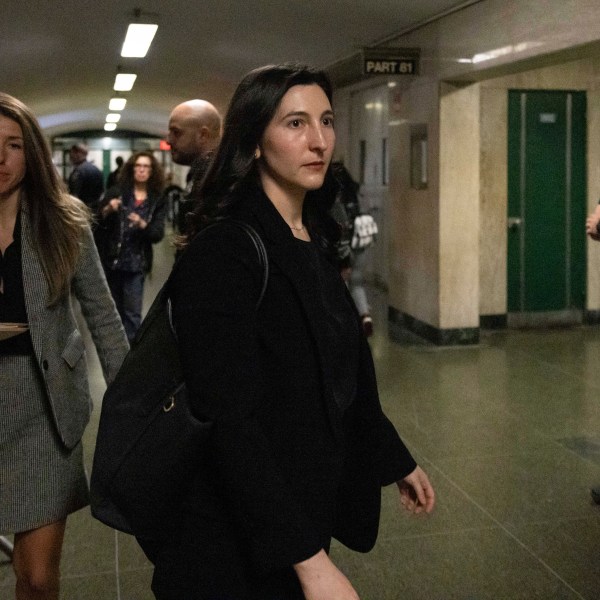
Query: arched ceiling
[{"x": 61, "y": 58}]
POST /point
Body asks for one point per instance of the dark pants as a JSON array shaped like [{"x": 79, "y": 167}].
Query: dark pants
[{"x": 127, "y": 290}]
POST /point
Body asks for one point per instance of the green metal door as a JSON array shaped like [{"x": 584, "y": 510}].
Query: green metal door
[{"x": 546, "y": 201}]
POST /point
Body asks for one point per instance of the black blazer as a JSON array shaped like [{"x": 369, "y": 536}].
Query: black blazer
[{"x": 287, "y": 466}]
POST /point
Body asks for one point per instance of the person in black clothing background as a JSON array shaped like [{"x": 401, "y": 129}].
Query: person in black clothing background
[
  {"x": 86, "y": 181},
  {"x": 345, "y": 210},
  {"x": 131, "y": 219},
  {"x": 113, "y": 176}
]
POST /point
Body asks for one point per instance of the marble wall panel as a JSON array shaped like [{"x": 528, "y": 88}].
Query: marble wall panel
[{"x": 459, "y": 207}]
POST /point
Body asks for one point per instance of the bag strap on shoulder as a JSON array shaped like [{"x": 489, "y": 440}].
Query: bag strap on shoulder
[
  {"x": 258, "y": 244},
  {"x": 162, "y": 302},
  {"x": 261, "y": 252}
]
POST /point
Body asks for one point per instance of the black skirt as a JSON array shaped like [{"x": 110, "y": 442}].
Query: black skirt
[{"x": 205, "y": 560}]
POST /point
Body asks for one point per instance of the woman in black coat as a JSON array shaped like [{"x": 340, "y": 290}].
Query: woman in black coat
[{"x": 300, "y": 447}]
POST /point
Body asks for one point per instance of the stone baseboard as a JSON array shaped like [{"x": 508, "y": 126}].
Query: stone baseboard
[
  {"x": 493, "y": 321},
  {"x": 440, "y": 337}
]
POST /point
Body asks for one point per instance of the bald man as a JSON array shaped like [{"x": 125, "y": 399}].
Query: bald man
[
  {"x": 194, "y": 130},
  {"x": 194, "y": 133}
]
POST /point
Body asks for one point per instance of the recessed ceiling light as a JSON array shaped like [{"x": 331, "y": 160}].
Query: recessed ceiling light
[
  {"x": 138, "y": 39},
  {"x": 124, "y": 82},
  {"x": 110, "y": 126},
  {"x": 113, "y": 118},
  {"x": 117, "y": 103}
]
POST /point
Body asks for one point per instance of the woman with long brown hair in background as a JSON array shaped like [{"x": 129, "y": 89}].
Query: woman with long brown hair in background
[{"x": 132, "y": 218}]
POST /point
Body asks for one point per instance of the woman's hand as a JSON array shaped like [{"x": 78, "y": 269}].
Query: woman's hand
[
  {"x": 322, "y": 580},
  {"x": 136, "y": 221},
  {"x": 111, "y": 206},
  {"x": 416, "y": 493},
  {"x": 591, "y": 224}
]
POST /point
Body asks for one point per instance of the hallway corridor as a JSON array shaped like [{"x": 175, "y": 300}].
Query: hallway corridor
[{"x": 509, "y": 432}]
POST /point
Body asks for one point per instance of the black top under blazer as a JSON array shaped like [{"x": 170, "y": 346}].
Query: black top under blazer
[{"x": 287, "y": 466}]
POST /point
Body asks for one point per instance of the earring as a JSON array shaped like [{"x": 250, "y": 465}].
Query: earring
[{"x": 256, "y": 154}]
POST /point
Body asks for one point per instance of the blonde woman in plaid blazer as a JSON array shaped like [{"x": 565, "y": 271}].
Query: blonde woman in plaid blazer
[{"x": 48, "y": 258}]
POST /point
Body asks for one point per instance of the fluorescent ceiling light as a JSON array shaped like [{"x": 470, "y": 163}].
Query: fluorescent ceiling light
[
  {"x": 113, "y": 118},
  {"x": 492, "y": 54},
  {"x": 110, "y": 126},
  {"x": 124, "y": 82},
  {"x": 504, "y": 51},
  {"x": 138, "y": 39},
  {"x": 117, "y": 104}
]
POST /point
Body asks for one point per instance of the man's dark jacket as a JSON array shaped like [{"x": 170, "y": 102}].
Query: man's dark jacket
[{"x": 87, "y": 184}]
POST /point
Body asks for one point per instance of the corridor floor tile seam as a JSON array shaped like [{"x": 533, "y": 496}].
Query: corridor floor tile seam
[
  {"x": 593, "y": 458},
  {"x": 501, "y": 526},
  {"x": 439, "y": 533},
  {"x": 75, "y": 576},
  {"x": 415, "y": 351},
  {"x": 562, "y": 520}
]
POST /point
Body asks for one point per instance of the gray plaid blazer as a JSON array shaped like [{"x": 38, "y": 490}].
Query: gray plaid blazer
[{"x": 58, "y": 346}]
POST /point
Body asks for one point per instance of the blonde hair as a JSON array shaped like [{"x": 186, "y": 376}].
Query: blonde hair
[{"x": 57, "y": 219}]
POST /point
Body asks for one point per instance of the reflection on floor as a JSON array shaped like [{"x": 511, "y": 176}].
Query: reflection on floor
[{"x": 509, "y": 432}]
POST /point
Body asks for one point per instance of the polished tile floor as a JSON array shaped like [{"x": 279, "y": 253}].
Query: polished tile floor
[{"x": 509, "y": 432}]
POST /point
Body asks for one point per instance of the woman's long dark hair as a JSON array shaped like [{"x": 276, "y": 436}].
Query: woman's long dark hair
[
  {"x": 156, "y": 181},
  {"x": 233, "y": 170}
]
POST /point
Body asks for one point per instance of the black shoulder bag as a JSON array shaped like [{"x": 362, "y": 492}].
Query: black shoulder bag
[{"x": 148, "y": 439}]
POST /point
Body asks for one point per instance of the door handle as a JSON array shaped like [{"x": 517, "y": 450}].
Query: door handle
[{"x": 514, "y": 223}]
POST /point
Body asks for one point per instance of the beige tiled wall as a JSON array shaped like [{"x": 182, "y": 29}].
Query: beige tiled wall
[{"x": 414, "y": 240}]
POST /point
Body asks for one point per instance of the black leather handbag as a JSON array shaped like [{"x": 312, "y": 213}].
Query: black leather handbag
[{"x": 148, "y": 438}]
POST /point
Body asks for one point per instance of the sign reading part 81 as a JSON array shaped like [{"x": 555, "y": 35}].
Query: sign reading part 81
[{"x": 390, "y": 61}]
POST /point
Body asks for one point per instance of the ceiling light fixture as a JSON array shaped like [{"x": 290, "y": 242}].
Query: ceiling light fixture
[
  {"x": 113, "y": 118},
  {"x": 124, "y": 82},
  {"x": 138, "y": 39},
  {"x": 505, "y": 50},
  {"x": 117, "y": 104},
  {"x": 110, "y": 126}
]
